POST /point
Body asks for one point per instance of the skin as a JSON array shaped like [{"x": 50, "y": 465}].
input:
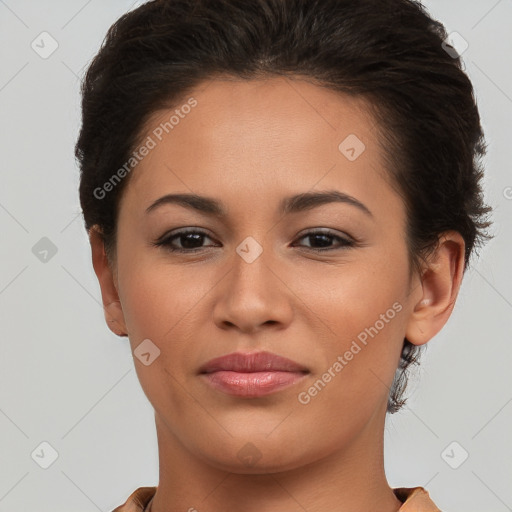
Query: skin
[{"x": 249, "y": 144}]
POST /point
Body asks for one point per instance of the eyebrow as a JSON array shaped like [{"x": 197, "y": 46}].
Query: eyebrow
[{"x": 291, "y": 204}]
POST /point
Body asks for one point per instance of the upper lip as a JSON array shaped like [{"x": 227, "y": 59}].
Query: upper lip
[{"x": 247, "y": 362}]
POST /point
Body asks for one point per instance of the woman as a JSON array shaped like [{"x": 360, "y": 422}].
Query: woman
[{"x": 282, "y": 197}]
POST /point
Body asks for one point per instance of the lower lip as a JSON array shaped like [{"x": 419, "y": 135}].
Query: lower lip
[{"x": 251, "y": 385}]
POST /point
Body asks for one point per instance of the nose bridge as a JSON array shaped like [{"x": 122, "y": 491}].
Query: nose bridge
[{"x": 252, "y": 278}]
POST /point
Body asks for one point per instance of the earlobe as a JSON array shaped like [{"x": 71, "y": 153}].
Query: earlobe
[
  {"x": 440, "y": 284},
  {"x": 115, "y": 318},
  {"x": 112, "y": 308}
]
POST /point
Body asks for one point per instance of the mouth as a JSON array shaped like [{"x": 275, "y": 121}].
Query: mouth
[{"x": 252, "y": 375}]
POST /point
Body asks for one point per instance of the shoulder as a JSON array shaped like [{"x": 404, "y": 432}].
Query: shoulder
[
  {"x": 415, "y": 499},
  {"x": 137, "y": 500}
]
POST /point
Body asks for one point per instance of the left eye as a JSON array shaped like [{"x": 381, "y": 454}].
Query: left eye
[
  {"x": 323, "y": 239},
  {"x": 191, "y": 241}
]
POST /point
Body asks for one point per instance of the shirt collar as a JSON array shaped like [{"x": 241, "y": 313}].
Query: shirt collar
[{"x": 414, "y": 499}]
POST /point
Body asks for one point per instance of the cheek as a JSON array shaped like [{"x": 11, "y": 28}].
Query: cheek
[
  {"x": 165, "y": 304},
  {"x": 158, "y": 305},
  {"x": 356, "y": 295},
  {"x": 157, "y": 297},
  {"x": 363, "y": 317}
]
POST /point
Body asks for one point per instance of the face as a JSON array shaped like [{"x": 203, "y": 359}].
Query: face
[{"x": 324, "y": 283}]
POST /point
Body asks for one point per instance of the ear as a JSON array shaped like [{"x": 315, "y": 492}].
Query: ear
[
  {"x": 111, "y": 304},
  {"x": 440, "y": 284}
]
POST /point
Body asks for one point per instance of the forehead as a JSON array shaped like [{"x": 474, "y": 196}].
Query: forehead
[{"x": 253, "y": 140}]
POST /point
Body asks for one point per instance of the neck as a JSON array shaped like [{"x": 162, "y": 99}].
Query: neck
[{"x": 351, "y": 480}]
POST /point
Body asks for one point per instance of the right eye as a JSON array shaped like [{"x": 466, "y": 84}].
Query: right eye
[{"x": 190, "y": 241}]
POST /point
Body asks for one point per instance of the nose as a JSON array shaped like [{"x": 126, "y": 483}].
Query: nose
[{"x": 253, "y": 296}]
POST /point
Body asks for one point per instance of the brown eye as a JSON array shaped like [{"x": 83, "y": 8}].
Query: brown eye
[
  {"x": 322, "y": 241},
  {"x": 183, "y": 241}
]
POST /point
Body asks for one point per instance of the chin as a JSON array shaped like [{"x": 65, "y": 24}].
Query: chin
[{"x": 261, "y": 453}]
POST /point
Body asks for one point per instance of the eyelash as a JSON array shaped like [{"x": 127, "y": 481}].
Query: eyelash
[{"x": 166, "y": 241}]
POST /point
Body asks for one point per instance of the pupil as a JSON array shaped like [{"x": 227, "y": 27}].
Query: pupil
[
  {"x": 324, "y": 237},
  {"x": 186, "y": 245}
]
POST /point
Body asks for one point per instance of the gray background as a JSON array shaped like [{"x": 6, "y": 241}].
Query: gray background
[{"x": 67, "y": 380}]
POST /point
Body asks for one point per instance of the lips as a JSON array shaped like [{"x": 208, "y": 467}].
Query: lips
[
  {"x": 252, "y": 362},
  {"x": 251, "y": 375}
]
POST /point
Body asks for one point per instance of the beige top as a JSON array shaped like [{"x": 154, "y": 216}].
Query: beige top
[{"x": 414, "y": 500}]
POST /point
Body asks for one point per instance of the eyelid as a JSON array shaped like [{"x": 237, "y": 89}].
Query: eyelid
[
  {"x": 326, "y": 231},
  {"x": 183, "y": 231}
]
